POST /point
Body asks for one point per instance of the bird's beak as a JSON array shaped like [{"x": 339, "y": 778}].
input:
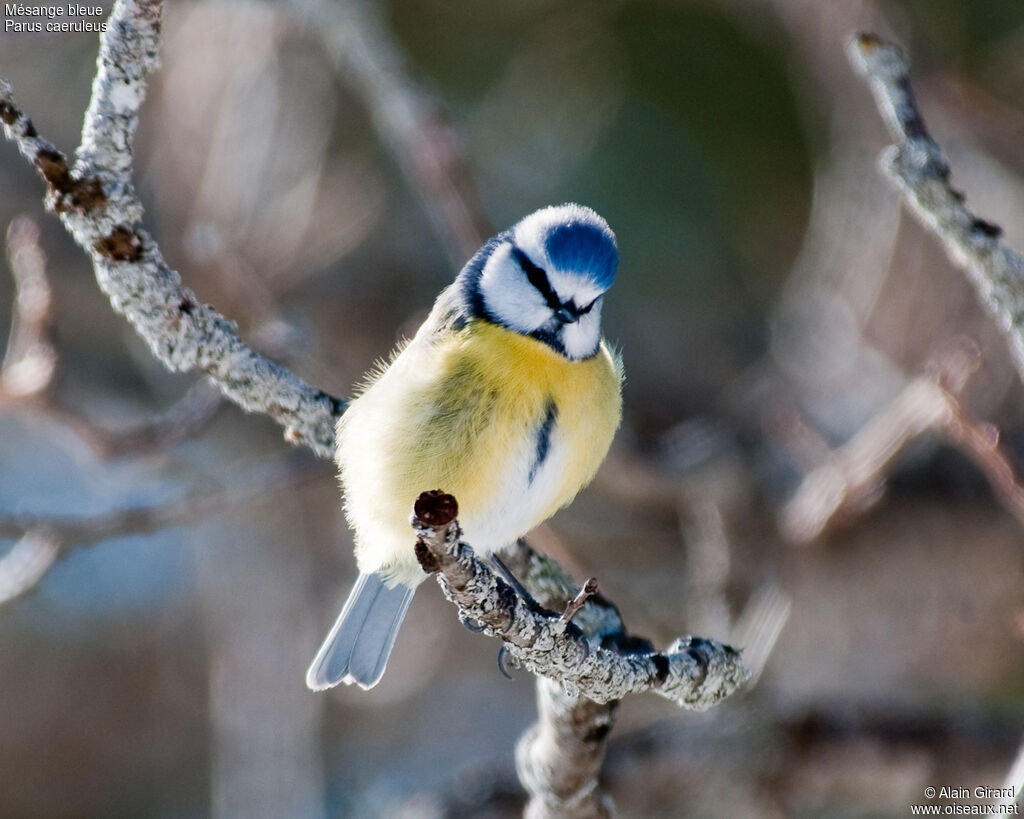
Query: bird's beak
[{"x": 565, "y": 315}]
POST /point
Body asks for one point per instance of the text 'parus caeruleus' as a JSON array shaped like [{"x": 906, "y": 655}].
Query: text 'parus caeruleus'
[{"x": 506, "y": 398}]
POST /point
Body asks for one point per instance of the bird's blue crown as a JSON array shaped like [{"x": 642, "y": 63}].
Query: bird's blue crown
[{"x": 583, "y": 245}]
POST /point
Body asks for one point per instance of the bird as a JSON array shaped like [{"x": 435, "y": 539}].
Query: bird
[{"x": 506, "y": 397}]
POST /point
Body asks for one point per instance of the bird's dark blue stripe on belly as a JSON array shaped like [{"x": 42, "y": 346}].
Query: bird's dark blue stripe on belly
[{"x": 543, "y": 442}]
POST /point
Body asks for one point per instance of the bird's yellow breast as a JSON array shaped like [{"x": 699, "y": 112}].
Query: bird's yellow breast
[{"x": 463, "y": 412}]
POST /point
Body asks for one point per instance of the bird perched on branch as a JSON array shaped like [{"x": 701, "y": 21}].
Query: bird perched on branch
[{"x": 506, "y": 398}]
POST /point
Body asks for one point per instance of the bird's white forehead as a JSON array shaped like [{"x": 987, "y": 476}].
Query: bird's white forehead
[
  {"x": 572, "y": 286},
  {"x": 531, "y": 231}
]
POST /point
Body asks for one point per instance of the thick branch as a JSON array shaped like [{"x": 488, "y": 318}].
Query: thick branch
[
  {"x": 560, "y": 757},
  {"x": 98, "y": 207},
  {"x": 917, "y": 165},
  {"x": 129, "y": 53}
]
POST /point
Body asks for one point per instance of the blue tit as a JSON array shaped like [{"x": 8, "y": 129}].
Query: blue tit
[{"x": 506, "y": 398}]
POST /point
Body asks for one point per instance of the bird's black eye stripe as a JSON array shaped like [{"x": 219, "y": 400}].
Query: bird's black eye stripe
[
  {"x": 582, "y": 311},
  {"x": 537, "y": 277}
]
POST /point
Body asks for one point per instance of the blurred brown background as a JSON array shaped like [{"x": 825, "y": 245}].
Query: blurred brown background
[{"x": 772, "y": 299}]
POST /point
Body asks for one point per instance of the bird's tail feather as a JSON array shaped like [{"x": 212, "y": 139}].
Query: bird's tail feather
[{"x": 358, "y": 647}]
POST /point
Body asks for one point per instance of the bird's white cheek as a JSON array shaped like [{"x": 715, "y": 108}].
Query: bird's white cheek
[{"x": 511, "y": 299}]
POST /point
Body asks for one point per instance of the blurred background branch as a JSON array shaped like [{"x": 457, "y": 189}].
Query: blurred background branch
[
  {"x": 851, "y": 479},
  {"x": 31, "y": 361},
  {"x": 41, "y": 540},
  {"x": 916, "y": 163},
  {"x": 410, "y": 120}
]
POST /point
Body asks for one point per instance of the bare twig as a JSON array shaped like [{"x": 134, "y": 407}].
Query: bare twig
[
  {"x": 851, "y": 480},
  {"x": 702, "y": 522},
  {"x": 759, "y": 626},
  {"x": 919, "y": 167},
  {"x": 573, "y": 607},
  {"x": 979, "y": 441},
  {"x": 25, "y": 564},
  {"x": 98, "y": 206}
]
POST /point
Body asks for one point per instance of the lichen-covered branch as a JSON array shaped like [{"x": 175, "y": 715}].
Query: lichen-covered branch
[
  {"x": 584, "y": 660},
  {"x": 96, "y": 203},
  {"x": 694, "y": 673},
  {"x": 129, "y": 52},
  {"x": 560, "y": 756},
  {"x": 918, "y": 166}
]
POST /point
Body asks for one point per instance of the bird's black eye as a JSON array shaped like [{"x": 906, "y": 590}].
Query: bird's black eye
[{"x": 537, "y": 277}]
